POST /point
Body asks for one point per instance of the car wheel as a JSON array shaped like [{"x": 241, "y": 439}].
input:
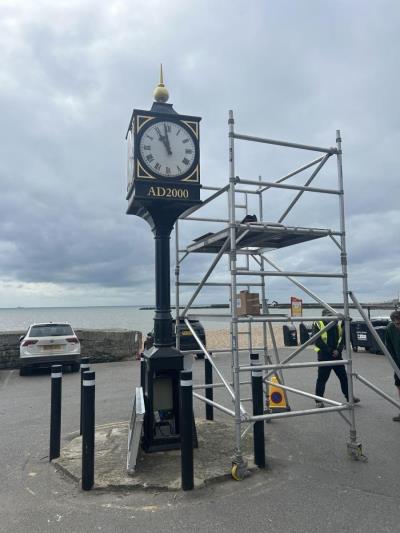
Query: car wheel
[{"x": 355, "y": 348}]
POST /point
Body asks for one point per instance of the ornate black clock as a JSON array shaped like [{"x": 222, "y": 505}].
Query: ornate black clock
[
  {"x": 163, "y": 156},
  {"x": 163, "y": 183}
]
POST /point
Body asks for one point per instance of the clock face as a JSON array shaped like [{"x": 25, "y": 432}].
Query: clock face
[{"x": 167, "y": 149}]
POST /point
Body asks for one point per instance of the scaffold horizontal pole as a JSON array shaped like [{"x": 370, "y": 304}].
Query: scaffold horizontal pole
[
  {"x": 290, "y": 414},
  {"x": 284, "y": 143},
  {"x": 218, "y": 385},
  {"x": 261, "y": 226},
  {"x": 266, "y": 318},
  {"x": 247, "y": 191},
  {"x": 275, "y": 185},
  {"x": 216, "y": 284},
  {"x": 245, "y": 272},
  {"x": 201, "y": 219},
  {"x": 305, "y": 364}
]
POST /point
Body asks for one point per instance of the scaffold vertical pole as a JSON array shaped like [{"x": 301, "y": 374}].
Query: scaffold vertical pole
[
  {"x": 343, "y": 256},
  {"x": 177, "y": 269},
  {"x": 263, "y": 289},
  {"x": 238, "y": 462}
]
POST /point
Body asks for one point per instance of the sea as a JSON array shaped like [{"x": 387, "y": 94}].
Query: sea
[{"x": 124, "y": 317}]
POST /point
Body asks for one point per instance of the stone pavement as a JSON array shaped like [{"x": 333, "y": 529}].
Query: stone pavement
[{"x": 161, "y": 470}]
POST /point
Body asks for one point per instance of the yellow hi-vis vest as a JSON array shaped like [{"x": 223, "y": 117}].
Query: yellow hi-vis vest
[{"x": 324, "y": 337}]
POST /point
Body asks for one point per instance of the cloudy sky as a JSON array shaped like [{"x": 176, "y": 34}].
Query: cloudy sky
[{"x": 71, "y": 73}]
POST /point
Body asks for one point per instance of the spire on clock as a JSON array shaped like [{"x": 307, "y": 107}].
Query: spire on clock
[{"x": 161, "y": 93}]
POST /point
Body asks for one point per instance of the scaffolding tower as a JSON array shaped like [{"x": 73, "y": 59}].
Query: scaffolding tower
[{"x": 252, "y": 240}]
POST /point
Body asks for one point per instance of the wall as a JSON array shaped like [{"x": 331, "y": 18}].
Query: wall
[{"x": 100, "y": 345}]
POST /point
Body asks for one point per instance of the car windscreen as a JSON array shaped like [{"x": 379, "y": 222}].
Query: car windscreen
[{"x": 51, "y": 330}]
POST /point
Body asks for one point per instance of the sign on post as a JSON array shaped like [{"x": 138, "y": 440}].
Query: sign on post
[{"x": 296, "y": 306}]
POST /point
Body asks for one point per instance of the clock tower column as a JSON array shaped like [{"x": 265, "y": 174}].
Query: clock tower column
[{"x": 163, "y": 183}]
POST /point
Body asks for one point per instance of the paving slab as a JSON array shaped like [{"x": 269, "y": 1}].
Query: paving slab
[{"x": 159, "y": 470}]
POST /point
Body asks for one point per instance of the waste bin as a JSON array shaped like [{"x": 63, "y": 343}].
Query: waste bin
[
  {"x": 373, "y": 345},
  {"x": 290, "y": 335},
  {"x": 360, "y": 335},
  {"x": 305, "y": 331},
  {"x": 187, "y": 341},
  {"x": 380, "y": 321}
]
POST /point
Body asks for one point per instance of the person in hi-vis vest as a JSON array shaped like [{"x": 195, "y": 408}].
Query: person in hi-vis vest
[{"x": 329, "y": 347}]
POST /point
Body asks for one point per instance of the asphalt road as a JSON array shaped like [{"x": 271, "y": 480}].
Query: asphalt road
[{"x": 310, "y": 484}]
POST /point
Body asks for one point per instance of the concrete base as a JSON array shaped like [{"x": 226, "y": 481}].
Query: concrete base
[{"x": 161, "y": 470}]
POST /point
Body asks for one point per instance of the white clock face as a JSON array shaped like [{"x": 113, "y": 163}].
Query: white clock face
[{"x": 167, "y": 149}]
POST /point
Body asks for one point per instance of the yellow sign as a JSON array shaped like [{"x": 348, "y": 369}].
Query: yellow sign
[
  {"x": 296, "y": 305},
  {"x": 277, "y": 400}
]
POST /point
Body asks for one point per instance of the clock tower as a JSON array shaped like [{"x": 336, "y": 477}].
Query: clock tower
[
  {"x": 163, "y": 183},
  {"x": 163, "y": 158}
]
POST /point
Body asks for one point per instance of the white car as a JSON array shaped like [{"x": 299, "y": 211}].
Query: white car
[{"x": 47, "y": 344}]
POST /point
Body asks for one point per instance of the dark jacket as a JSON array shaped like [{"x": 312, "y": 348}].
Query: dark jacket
[
  {"x": 392, "y": 341},
  {"x": 333, "y": 342}
]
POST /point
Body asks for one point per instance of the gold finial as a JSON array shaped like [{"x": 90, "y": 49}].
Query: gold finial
[
  {"x": 161, "y": 93},
  {"x": 161, "y": 76}
]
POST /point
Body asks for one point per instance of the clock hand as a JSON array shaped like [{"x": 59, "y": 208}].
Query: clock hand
[
  {"x": 167, "y": 145},
  {"x": 160, "y": 137},
  {"x": 164, "y": 140}
]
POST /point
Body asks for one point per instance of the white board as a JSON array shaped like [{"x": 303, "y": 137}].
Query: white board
[{"x": 135, "y": 430}]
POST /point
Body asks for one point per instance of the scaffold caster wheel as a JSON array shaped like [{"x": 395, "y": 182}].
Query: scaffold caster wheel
[
  {"x": 354, "y": 449},
  {"x": 238, "y": 471}
]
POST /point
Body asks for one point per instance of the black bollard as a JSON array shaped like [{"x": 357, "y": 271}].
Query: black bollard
[
  {"x": 88, "y": 418},
  {"x": 186, "y": 409},
  {"x": 84, "y": 368},
  {"x": 55, "y": 411},
  {"x": 258, "y": 409},
  {"x": 208, "y": 374}
]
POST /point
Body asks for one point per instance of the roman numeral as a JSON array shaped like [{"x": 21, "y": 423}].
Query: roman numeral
[
  {"x": 157, "y": 166},
  {"x": 167, "y": 170},
  {"x": 185, "y": 161},
  {"x": 151, "y": 138},
  {"x": 146, "y": 147},
  {"x": 178, "y": 132},
  {"x": 150, "y": 158},
  {"x": 185, "y": 140},
  {"x": 179, "y": 168},
  {"x": 188, "y": 151}
]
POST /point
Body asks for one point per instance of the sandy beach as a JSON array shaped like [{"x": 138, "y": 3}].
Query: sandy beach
[{"x": 220, "y": 338}]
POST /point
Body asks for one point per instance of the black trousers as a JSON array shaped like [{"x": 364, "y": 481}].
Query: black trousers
[{"x": 323, "y": 376}]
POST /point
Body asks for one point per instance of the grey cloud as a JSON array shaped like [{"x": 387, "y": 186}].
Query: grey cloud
[{"x": 294, "y": 71}]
